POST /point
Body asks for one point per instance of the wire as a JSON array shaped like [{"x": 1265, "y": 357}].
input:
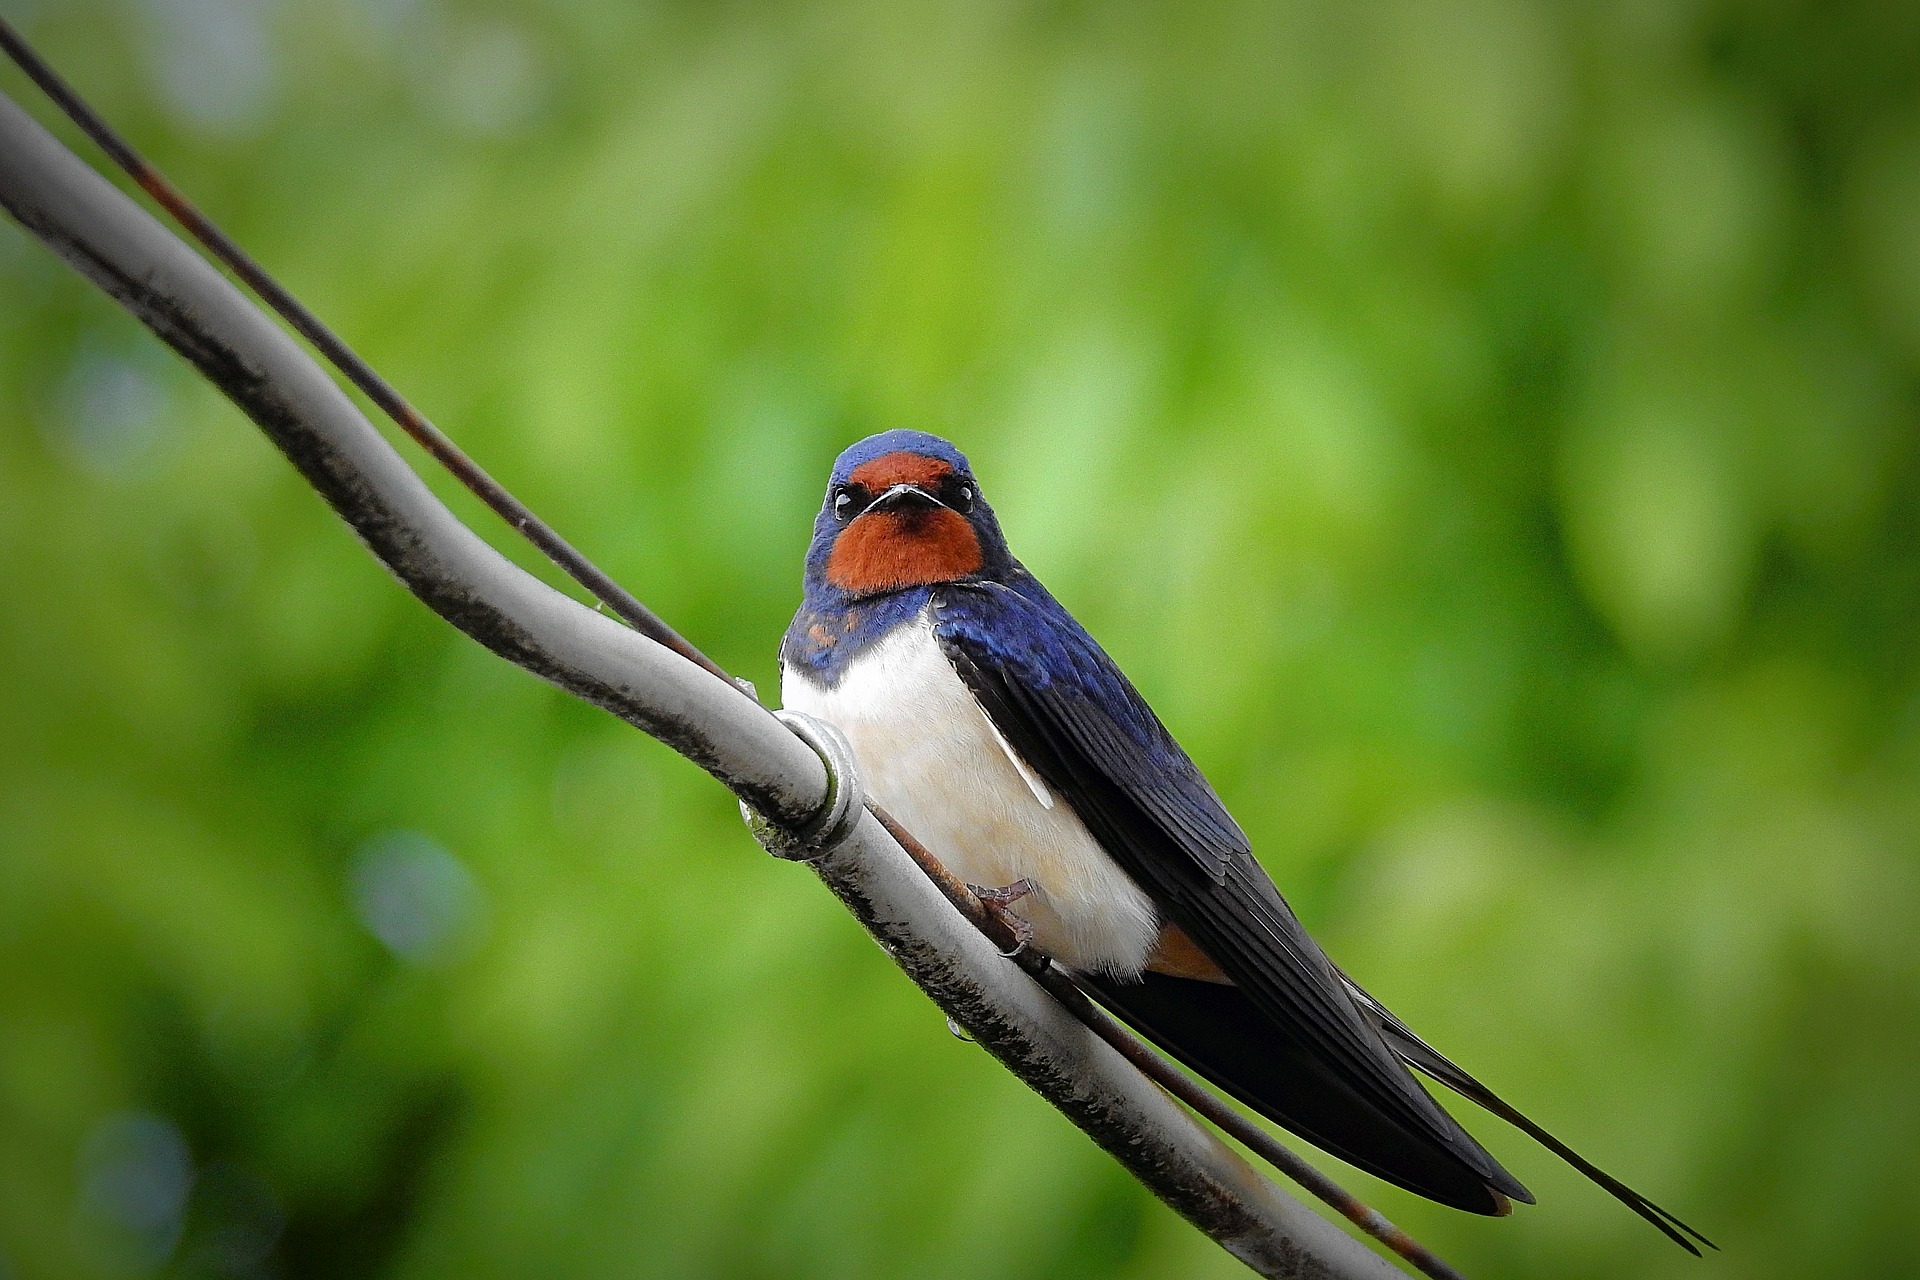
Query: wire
[
  {"x": 649, "y": 624},
  {"x": 344, "y": 358}
]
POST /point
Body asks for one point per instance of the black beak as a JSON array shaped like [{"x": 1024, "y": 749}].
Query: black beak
[{"x": 901, "y": 495}]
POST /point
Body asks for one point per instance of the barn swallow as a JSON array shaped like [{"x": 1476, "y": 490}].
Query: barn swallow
[{"x": 997, "y": 731}]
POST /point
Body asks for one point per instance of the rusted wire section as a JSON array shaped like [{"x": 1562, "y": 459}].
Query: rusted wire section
[
  {"x": 649, "y": 624},
  {"x": 1156, "y": 1068},
  {"x": 344, "y": 358}
]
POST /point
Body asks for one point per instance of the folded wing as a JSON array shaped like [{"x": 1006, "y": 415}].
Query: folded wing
[{"x": 1057, "y": 698}]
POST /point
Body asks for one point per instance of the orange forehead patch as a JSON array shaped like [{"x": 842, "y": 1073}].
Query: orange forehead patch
[
  {"x": 890, "y": 550},
  {"x": 890, "y": 469}
]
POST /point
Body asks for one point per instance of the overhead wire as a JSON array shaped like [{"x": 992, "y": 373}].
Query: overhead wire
[{"x": 643, "y": 620}]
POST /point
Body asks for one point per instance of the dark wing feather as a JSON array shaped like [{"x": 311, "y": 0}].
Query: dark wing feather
[
  {"x": 1076, "y": 720},
  {"x": 1431, "y": 1062},
  {"x": 1216, "y": 1030}
]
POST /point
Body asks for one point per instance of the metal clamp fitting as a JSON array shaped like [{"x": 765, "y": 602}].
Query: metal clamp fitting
[{"x": 838, "y": 814}]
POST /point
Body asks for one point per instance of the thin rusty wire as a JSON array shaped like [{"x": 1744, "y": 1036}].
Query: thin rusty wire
[
  {"x": 1156, "y": 1068},
  {"x": 347, "y": 360},
  {"x": 583, "y": 571}
]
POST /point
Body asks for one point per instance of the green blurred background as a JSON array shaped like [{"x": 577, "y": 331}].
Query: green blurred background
[{"x": 1484, "y": 431}]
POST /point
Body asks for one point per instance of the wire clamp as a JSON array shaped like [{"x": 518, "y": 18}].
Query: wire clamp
[{"x": 838, "y": 814}]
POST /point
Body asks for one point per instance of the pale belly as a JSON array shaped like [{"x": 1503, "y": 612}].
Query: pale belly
[{"x": 933, "y": 759}]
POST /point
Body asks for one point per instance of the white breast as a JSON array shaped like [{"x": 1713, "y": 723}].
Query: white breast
[{"x": 931, "y": 756}]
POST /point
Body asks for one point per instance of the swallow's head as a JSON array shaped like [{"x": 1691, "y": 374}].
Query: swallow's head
[{"x": 902, "y": 510}]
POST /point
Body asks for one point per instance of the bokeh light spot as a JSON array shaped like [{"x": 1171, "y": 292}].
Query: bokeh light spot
[
  {"x": 135, "y": 1175},
  {"x": 415, "y": 896},
  {"x": 108, "y": 412}
]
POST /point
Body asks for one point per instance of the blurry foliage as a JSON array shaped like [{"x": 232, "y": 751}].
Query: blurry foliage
[{"x": 1485, "y": 431}]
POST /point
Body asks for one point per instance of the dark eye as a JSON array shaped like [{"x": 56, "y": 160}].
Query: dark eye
[
  {"x": 962, "y": 499},
  {"x": 849, "y": 500}
]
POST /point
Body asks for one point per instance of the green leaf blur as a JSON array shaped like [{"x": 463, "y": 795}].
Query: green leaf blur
[{"x": 1484, "y": 431}]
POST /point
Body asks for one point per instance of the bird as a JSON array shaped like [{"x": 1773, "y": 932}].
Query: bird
[{"x": 999, "y": 733}]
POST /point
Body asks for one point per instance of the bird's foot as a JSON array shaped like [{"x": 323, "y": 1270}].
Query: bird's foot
[
  {"x": 998, "y": 901},
  {"x": 1006, "y": 893}
]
